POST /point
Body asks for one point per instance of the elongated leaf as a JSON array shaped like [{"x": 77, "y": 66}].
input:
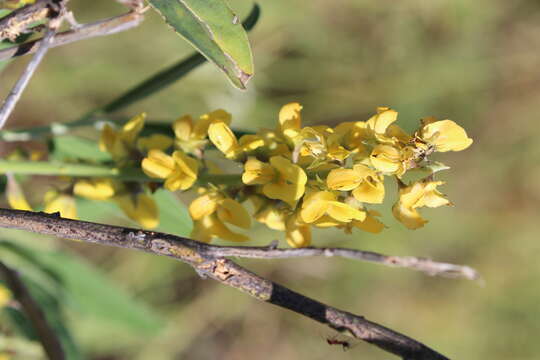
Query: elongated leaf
[
  {"x": 173, "y": 215},
  {"x": 213, "y": 29},
  {"x": 74, "y": 147}
]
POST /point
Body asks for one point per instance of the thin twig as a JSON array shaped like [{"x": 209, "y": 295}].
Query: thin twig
[
  {"x": 50, "y": 342},
  {"x": 222, "y": 270},
  {"x": 427, "y": 266},
  {"x": 103, "y": 27},
  {"x": 20, "y": 85}
]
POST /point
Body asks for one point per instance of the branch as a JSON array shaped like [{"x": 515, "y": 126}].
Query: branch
[
  {"x": 223, "y": 270},
  {"x": 20, "y": 20},
  {"x": 20, "y": 85},
  {"x": 427, "y": 266},
  {"x": 104, "y": 27},
  {"x": 50, "y": 342}
]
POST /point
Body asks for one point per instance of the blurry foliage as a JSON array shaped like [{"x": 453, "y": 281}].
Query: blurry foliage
[{"x": 473, "y": 62}]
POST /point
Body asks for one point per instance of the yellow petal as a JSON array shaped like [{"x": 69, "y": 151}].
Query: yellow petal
[
  {"x": 289, "y": 193},
  {"x": 250, "y": 142},
  {"x": 202, "y": 206},
  {"x": 408, "y": 216},
  {"x": 5, "y": 296},
  {"x": 386, "y": 158},
  {"x": 233, "y": 212},
  {"x": 343, "y": 179},
  {"x": 290, "y": 120},
  {"x": 257, "y": 172},
  {"x": 158, "y": 164},
  {"x": 132, "y": 128},
  {"x": 446, "y": 135},
  {"x": 290, "y": 173},
  {"x": 343, "y": 212},
  {"x": 15, "y": 196},
  {"x": 223, "y": 138},
  {"x": 200, "y": 128},
  {"x": 94, "y": 189},
  {"x": 183, "y": 127},
  {"x": 62, "y": 203},
  {"x": 140, "y": 208},
  {"x": 370, "y": 191},
  {"x": 184, "y": 174},
  {"x": 297, "y": 235},
  {"x": 179, "y": 180},
  {"x": 271, "y": 217},
  {"x": 385, "y": 116},
  {"x": 315, "y": 205}
]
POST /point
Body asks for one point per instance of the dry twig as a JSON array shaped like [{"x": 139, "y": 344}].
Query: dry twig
[
  {"x": 50, "y": 342},
  {"x": 200, "y": 257},
  {"x": 99, "y": 28}
]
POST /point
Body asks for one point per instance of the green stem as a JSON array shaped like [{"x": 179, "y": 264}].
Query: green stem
[{"x": 88, "y": 170}]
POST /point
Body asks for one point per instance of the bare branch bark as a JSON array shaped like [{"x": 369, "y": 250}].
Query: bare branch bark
[
  {"x": 99, "y": 28},
  {"x": 223, "y": 270},
  {"x": 427, "y": 266},
  {"x": 15, "y": 93},
  {"x": 19, "y": 20},
  {"x": 50, "y": 342}
]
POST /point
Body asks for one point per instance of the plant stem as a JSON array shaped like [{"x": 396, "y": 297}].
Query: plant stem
[{"x": 90, "y": 170}]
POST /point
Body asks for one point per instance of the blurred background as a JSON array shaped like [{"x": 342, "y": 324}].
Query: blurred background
[{"x": 475, "y": 62}]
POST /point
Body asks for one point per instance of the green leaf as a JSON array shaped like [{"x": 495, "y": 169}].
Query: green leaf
[
  {"x": 173, "y": 215},
  {"x": 74, "y": 147},
  {"x": 85, "y": 290},
  {"x": 213, "y": 29}
]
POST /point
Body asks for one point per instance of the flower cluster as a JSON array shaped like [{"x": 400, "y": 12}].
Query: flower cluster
[
  {"x": 291, "y": 178},
  {"x": 299, "y": 177}
]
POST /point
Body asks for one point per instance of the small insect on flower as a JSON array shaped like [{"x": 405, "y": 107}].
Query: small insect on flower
[{"x": 335, "y": 341}]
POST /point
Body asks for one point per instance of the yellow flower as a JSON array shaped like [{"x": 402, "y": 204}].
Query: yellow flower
[
  {"x": 157, "y": 164},
  {"x": 179, "y": 170},
  {"x": 94, "y": 189},
  {"x": 290, "y": 120},
  {"x": 387, "y": 159},
  {"x": 120, "y": 143},
  {"x": 5, "y": 296},
  {"x": 190, "y": 135},
  {"x": 269, "y": 213},
  {"x": 411, "y": 197},
  {"x": 379, "y": 123},
  {"x": 227, "y": 209},
  {"x": 15, "y": 196},
  {"x": 59, "y": 202},
  {"x": 367, "y": 186},
  {"x": 320, "y": 203},
  {"x": 297, "y": 234},
  {"x": 139, "y": 207},
  {"x": 223, "y": 138},
  {"x": 309, "y": 143},
  {"x": 445, "y": 135},
  {"x": 282, "y": 179},
  {"x": 184, "y": 174},
  {"x": 257, "y": 172}
]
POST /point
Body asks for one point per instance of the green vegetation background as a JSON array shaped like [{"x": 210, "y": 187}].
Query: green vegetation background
[{"x": 475, "y": 62}]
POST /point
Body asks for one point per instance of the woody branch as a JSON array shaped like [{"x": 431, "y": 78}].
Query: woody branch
[{"x": 203, "y": 259}]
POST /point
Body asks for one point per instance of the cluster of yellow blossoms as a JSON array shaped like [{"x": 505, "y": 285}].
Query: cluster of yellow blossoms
[
  {"x": 294, "y": 178},
  {"x": 298, "y": 177}
]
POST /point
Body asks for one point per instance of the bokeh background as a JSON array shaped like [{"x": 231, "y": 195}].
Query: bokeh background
[{"x": 475, "y": 62}]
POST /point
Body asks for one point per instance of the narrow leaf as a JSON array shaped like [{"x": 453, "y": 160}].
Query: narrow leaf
[
  {"x": 170, "y": 75},
  {"x": 213, "y": 29}
]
